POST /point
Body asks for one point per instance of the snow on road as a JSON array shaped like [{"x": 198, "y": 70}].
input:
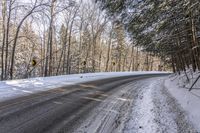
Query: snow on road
[
  {"x": 140, "y": 107},
  {"x": 141, "y": 118},
  {"x": 16, "y": 88}
]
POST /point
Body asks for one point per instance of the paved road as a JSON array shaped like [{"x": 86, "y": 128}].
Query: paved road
[{"x": 63, "y": 109}]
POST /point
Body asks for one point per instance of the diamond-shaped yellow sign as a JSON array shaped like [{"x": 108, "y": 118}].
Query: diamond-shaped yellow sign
[{"x": 34, "y": 62}]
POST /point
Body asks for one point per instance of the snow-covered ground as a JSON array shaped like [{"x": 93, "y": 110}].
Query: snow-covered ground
[
  {"x": 140, "y": 107},
  {"x": 178, "y": 86},
  {"x": 15, "y": 88},
  {"x": 143, "y": 106}
]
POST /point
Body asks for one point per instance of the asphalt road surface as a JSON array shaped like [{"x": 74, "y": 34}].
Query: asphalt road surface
[{"x": 101, "y": 106}]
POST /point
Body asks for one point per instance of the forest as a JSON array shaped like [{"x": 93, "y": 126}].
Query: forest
[
  {"x": 168, "y": 28},
  {"x": 57, "y": 37},
  {"x": 99, "y": 66}
]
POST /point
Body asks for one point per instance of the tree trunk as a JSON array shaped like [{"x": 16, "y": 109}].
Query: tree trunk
[
  {"x": 4, "y": 4},
  {"x": 69, "y": 43},
  {"x": 108, "y": 52}
]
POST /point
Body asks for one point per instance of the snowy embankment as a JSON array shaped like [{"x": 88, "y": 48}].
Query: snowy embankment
[
  {"x": 178, "y": 86},
  {"x": 16, "y": 88}
]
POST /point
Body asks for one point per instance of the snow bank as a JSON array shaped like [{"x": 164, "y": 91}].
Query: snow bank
[
  {"x": 189, "y": 100},
  {"x": 15, "y": 88}
]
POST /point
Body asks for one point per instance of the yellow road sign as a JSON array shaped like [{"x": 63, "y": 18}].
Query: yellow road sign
[{"x": 34, "y": 62}]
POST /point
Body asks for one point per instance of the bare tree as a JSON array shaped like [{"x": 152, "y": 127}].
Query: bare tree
[{"x": 34, "y": 8}]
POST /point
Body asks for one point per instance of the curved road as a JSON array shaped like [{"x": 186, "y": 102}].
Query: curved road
[{"x": 97, "y": 106}]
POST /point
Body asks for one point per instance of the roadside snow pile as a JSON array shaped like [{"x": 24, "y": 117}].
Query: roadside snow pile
[
  {"x": 15, "y": 88},
  {"x": 178, "y": 86},
  {"x": 183, "y": 78}
]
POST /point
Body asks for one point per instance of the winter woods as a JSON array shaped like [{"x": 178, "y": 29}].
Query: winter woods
[
  {"x": 55, "y": 37},
  {"x": 167, "y": 28}
]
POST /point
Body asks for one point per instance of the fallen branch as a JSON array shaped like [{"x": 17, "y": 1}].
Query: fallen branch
[{"x": 194, "y": 83}]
